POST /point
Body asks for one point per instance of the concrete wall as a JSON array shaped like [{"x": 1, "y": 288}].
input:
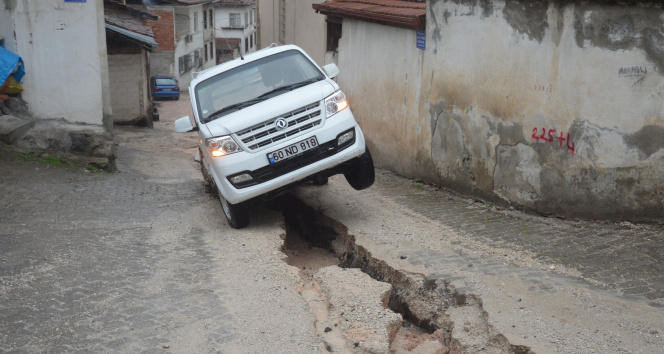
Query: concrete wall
[
  {"x": 129, "y": 95},
  {"x": 163, "y": 63},
  {"x": 304, "y": 27},
  {"x": 48, "y": 35},
  {"x": 552, "y": 106}
]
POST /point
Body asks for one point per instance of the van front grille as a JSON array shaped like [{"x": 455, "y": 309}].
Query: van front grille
[{"x": 265, "y": 134}]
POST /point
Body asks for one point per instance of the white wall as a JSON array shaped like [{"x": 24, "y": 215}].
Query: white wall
[
  {"x": 48, "y": 35},
  {"x": 128, "y": 86},
  {"x": 383, "y": 89}
]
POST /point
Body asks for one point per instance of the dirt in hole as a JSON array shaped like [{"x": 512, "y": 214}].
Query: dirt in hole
[{"x": 303, "y": 232}]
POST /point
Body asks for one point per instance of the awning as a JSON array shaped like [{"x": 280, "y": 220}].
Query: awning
[
  {"x": 395, "y": 13},
  {"x": 141, "y": 39}
]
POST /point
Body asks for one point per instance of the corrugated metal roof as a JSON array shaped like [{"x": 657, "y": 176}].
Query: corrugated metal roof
[
  {"x": 143, "y": 39},
  {"x": 396, "y": 13}
]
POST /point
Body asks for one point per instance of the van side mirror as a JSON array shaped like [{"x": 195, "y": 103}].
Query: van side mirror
[
  {"x": 331, "y": 70},
  {"x": 184, "y": 125}
]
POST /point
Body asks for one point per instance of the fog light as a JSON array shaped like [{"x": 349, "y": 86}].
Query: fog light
[
  {"x": 345, "y": 137},
  {"x": 241, "y": 178}
]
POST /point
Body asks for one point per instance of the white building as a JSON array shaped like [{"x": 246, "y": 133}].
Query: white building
[
  {"x": 235, "y": 28},
  {"x": 185, "y": 35}
]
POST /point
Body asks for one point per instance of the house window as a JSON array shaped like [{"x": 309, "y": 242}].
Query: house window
[
  {"x": 211, "y": 22},
  {"x": 182, "y": 25},
  {"x": 206, "y": 48},
  {"x": 282, "y": 21},
  {"x": 205, "y": 22},
  {"x": 197, "y": 58},
  {"x": 235, "y": 21},
  {"x": 246, "y": 18},
  {"x": 251, "y": 41},
  {"x": 246, "y": 45},
  {"x": 333, "y": 33},
  {"x": 211, "y": 51},
  {"x": 186, "y": 62},
  {"x": 196, "y": 21}
]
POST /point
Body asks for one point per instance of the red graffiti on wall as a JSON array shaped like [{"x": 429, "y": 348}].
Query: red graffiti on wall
[{"x": 550, "y": 136}]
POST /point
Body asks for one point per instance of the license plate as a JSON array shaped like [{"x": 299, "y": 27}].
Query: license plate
[
  {"x": 293, "y": 150},
  {"x": 167, "y": 89}
]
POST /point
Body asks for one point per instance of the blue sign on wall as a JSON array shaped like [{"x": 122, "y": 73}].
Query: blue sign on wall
[{"x": 421, "y": 40}]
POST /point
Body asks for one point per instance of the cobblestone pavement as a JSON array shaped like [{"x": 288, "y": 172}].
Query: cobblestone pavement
[
  {"x": 76, "y": 247},
  {"x": 623, "y": 257},
  {"x": 138, "y": 260}
]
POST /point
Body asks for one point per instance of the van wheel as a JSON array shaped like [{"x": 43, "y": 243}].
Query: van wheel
[
  {"x": 237, "y": 214},
  {"x": 360, "y": 173}
]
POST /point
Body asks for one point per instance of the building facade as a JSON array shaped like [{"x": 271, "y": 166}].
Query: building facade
[
  {"x": 185, "y": 37},
  {"x": 235, "y": 28}
]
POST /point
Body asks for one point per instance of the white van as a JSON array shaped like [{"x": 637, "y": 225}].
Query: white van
[{"x": 271, "y": 119}]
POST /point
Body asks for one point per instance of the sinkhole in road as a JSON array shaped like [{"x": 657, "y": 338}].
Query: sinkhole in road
[{"x": 437, "y": 318}]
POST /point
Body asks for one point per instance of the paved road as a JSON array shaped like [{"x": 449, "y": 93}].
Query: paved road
[{"x": 142, "y": 260}]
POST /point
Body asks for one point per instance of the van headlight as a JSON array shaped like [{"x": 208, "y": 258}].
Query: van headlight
[
  {"x": 335, "y": 103},
  {"x": 222, "y": 146}
]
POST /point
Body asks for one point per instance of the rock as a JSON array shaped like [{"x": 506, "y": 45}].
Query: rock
[
  {"x": 12, "y": 127},
  {"x": 358, "y": 304},
  {"x": 17, "y": 106}
]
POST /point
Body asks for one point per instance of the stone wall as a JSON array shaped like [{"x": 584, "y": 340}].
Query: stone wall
[{"x": 546, "y": 105}]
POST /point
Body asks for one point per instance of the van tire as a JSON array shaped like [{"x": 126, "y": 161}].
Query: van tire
[
  {"x": 360, "y": 173},
  {"x": 236, "y": 214}
]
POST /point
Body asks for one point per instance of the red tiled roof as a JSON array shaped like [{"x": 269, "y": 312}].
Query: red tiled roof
[
  {"x": 130, "y": 25},
  {"x": 396, "y": 13}
]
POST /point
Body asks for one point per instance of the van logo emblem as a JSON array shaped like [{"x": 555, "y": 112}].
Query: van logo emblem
[{"x": 281, "y": 124}]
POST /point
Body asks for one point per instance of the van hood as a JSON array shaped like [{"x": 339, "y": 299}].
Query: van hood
[{"x": 271, "y": 108}]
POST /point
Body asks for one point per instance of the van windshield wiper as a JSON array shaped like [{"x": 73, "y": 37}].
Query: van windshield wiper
[
  {"x": 290, "y": 87},
  {"x": 234, "y": 107}
]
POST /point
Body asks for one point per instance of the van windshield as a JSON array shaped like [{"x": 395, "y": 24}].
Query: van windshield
[{"x": 254, "y": 82}]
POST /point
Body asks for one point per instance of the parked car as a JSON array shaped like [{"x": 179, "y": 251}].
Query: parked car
[
  {"x": 165, "y": 87},
  {"x": 270, "y": 120}
]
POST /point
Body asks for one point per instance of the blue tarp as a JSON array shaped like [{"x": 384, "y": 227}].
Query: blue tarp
[{"x": 8, "y": 63}]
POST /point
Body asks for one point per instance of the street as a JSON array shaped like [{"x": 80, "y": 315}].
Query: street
[{"x": 142, "y": 260}]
